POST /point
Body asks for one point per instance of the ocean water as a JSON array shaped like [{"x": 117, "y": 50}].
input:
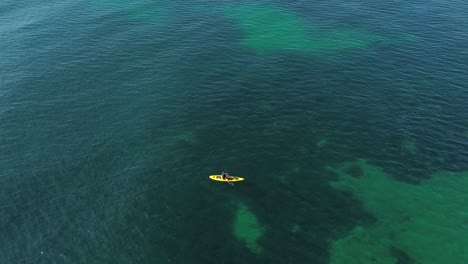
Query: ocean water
[{"x": 349, "y": 121}]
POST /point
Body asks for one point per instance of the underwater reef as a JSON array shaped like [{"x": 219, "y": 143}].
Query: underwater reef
[
  {"x": 268, "y": 28},
  {"x": 425, "y": 223},
  {"x": 247, "y": 228}
]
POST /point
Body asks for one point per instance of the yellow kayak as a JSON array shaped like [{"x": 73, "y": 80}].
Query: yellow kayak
[{"x": 230, "y": 178}]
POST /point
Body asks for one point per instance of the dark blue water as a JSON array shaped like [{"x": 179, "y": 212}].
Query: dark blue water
[{"x": 114, "y": 113}]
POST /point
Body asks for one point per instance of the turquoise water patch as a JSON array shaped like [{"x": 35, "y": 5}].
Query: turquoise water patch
[
  {"x": 268, "y": 28},
  {"x": 248, "y": 229},
  {"x": 427, "y": 223}
]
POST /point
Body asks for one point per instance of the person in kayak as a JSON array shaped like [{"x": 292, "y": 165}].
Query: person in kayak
[{"x": 225, "y": 176}]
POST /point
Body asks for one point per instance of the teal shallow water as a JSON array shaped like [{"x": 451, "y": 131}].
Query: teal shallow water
[{"x": 113, "y": 114}]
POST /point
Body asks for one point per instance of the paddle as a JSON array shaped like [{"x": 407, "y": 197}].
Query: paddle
[
  {"x": 230, "y": 183},
  {"x": 227, "y": 179}
]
